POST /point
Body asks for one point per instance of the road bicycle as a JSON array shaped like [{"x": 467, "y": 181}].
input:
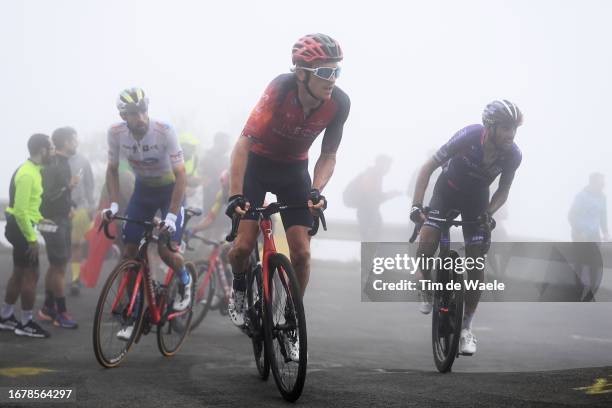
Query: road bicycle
[
  {"x": 122, "y": 303},
  {"x": 274, "y": 313},
  {"x": 448, "y": 302}
]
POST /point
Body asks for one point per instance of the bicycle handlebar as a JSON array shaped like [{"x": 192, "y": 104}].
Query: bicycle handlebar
[
  {"x": 451, "y": 222},
  {"x": 149, "y": 226},
  {"x": 274, "y": 208}
]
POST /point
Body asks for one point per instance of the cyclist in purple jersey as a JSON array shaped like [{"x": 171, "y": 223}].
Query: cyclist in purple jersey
[{"x": 470, "y": 160}]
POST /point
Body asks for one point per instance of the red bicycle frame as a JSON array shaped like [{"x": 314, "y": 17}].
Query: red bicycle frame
[{"x": 144, "y": 273}]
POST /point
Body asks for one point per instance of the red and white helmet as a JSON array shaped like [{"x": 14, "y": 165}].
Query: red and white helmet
[{"x": 316, "y": 48}]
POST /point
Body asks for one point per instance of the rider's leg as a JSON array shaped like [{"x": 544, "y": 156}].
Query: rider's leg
[
  {"x": 472, "y": 297},
  {"x": 477, "y": 241},
  {"x": 239, "y": 253},
  {"x": 299, "y": 250},
  {"x": 239, "y": 259},
  {"x": 428, "y": 244}
]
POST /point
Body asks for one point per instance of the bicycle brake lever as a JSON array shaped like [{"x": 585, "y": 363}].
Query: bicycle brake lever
[
  {"x": 235, "y": 222},
  {"x": 104, "y": 226}
]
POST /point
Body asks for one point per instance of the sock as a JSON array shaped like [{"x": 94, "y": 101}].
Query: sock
[
  {"x": 7, "y": 310},
  {"x": 26, "y": 316},
  {"x": 76, "y": 271},
  {"x": 61, "y": 304},
  {"x": 184, "y": 275},
  {"x": 239, "y": 283},
  {"x": 49, "y": 299},
  {"x": 467, "y": 321}
]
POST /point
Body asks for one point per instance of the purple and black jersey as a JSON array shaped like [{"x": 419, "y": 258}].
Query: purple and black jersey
[{"x": 462, "y": 158}]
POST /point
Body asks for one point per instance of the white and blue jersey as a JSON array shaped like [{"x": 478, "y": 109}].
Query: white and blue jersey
[{"x": 153, "y": 160}]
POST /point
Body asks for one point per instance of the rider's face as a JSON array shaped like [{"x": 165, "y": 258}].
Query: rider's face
[
  {"x": 321, "y": 88},
  {"x": 137, "y": 122},
  {"x": 504, "y": 136}
]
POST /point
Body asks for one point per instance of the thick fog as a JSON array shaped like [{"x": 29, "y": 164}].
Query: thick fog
[{"x": 416, "y": 72}]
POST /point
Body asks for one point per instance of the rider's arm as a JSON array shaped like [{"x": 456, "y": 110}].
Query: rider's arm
[
  {"x": 505, "y": 181},
  {"x": 175, "y": 152},
  {"x": 178, "y": 193},
  {"x": 112, "y": 181},
  {"x": 501, "y": 194},
  {"x": 331, "y": 141},
  {"x": 239, "y": 158},
  {"x": 422, "y": 180},
  {"x": 323, "y": 170}
]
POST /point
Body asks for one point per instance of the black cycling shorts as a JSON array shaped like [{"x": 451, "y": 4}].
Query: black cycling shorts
[
  {"x": 447, "y": 200},
  {"x": 59, "y": 243},
  {"x": 20, "y": 244},
  {"x": 290, "y": 182}
]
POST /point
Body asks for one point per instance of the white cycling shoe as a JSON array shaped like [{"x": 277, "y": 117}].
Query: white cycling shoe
[
  {"x": 236, "y": 307},
  {"x": 125, "y": 333},
  {"x": 183, "y": 300},
  {"x": 292, "y": 347},
  {"x": 467, "y": 342}
]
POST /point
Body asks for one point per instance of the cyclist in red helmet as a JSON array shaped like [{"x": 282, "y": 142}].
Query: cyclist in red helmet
[{"x": 272, "y": 155}]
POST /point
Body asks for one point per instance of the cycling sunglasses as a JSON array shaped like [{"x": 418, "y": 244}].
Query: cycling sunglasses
[{"x": 326, "y": 73}]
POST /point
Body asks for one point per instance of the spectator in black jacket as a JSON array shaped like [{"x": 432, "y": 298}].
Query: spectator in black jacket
[{"x": 57, "y": 206}]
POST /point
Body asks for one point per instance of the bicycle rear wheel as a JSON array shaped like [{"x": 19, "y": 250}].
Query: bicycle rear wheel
[
  {"x": 255, "y": 314},
  {"x": 112, "y": 314},
  {"x": 285, "y": 322},
  {"x": 447, "y": 318},
  {"x": 204, "y": 288},
  {"x": 175, "y": 326}
]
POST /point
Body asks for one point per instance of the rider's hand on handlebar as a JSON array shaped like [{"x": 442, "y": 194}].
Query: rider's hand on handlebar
[
  {"x": 316, "y": 201},
  {"x": 237, "y": 204},
  {"x": 416, "y": 214},
  {"x": 169, "y": 224},
  {"x": 110, "y": 212},
  {"x": 487, "y": 220}
]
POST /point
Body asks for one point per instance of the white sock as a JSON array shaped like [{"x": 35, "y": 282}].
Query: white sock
[
  {"x": 7, "y": 311},
  {"x": 26, "y": 316},
  {"x": 467, "y": 321}
]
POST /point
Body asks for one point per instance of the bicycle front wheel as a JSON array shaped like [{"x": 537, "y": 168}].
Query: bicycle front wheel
[
  {"x": 285, "y": 328},
  {"x": 447, "y": 318},
  {"x": 115, "y": 328},
  {"x": 175, "y": 325},
  {"x": 255, "y": 314}
]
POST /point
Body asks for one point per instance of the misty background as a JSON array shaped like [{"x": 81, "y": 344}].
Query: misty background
[{"x": 416, "y": 72}]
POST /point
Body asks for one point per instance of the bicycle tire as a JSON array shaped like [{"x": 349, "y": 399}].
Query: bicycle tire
[
  {"x": 290, "y": 390},
  {"x": 447, "y": 318},
  {"x": 103, "y": 356},
  {"x": 200, "y": 310},
  {"x": 181, "y": 325},
  {"x": 255, "y": 314}
]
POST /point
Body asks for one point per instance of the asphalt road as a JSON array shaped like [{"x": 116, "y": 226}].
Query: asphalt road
[{"x": 361, "y": 354}]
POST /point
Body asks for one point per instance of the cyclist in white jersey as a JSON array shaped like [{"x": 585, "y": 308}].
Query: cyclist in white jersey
[{"x": 152, "y": 149}]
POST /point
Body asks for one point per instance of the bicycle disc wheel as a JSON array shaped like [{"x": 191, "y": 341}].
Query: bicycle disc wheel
[
  {"x": 204, "y": 290},
  {"x": 111, "y": 315},
  {"x": 447, "y": 319},
  {"x": 284, "y": 323},
  {"x": 175, "y": 326},
  {"x": 255, "y": 314}
]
